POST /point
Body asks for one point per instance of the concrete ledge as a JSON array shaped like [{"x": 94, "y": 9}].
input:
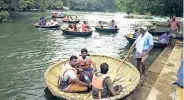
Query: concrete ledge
[{"x": 163, "y": 89}]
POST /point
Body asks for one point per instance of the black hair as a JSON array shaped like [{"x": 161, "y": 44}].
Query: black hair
[
  {"x": 70, "y": 26},
  {"x": 112, "y": 20},
  {"x": 104, "y": 67},
  {"x": 73, "y": 57},
  {"x": 84, "y": 50},
  {"x": 99, "y": 22},
  {"x": 84, "y": 22},
  {"x": 136, "y": 30},
  {"x": 154, "y": 23}
]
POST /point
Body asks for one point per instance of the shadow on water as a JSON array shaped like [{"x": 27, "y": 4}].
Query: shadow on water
[{"x": 49, "y": 96}]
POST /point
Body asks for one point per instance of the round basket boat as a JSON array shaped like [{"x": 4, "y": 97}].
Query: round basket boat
[
  {"x": 114, "y": 30},
  {"x": 157, "y": 44},
  {"x": 53, "y": 26},
  {"x": 76, "y": 21},
  {"x": 76, "y": 33},
  {"x": 127, "y": 76},
  {"x": 156, "y": 33}
]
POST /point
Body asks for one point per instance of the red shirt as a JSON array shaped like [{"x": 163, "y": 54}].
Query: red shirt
[{"x": 84, "y": 27}]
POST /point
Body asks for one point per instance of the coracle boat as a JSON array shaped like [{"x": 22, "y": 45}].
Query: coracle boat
[
  {"x": 51, "y": 26},
  {"x": 75, "y": 21},
  {"x": 113, "y": 30},
  {"x": 127, "y": 76},
  {"x": 156, "y": 33},
  {"x": 77, "y": 33},
  {"x": 157, "y": 44}
]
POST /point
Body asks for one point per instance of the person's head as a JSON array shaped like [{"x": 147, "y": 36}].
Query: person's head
[
  {"x": 75, "y": 16},
  {"x": 112, "y": 21},
  {"x": 174, "y": 18},
  {"x": 84, "y": 53},
  {"x": 137, "y": 30},
  {"x": 104, "y": 68},
  {"x": 154, "y": 23},
  {"x": 70, "y": 26},
  {"x": 73, "y": 61},
  {"x": 167, "y": 32},
  {"x": 84, "y": 22},
  {"x": 99, "y": 22},
  {"x": 143, "y": 29},
  {"x": 53, "y": 17}
]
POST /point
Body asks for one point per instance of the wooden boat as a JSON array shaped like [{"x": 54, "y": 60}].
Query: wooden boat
[
  {"x": 127, "y": 76},
  {"x": 114, "y": 30},
  {"x": 75, "y": 21},
  {"x": 53, "y": 26},
  {"x": 157, "y": 44},
  {"x": 77, "y": 33}
]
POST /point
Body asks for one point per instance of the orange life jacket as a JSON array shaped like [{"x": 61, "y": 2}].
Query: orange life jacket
[
  {"x": 65, "y": 68},
  {"x": 85, "y": 64},
  {"x": 97, "y": 82}
]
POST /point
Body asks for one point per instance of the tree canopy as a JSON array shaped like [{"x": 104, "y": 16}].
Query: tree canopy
[{"x": 154, "y": 7}]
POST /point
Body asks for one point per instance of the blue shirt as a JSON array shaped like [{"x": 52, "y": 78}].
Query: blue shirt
[
  {"x": 180, "y": 79},
  {"x": 148, "y": 42},
  {"x": 135, "y": 35}
]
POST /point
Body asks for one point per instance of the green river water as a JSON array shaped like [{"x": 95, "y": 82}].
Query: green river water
[{"x": 26, "y": 52}]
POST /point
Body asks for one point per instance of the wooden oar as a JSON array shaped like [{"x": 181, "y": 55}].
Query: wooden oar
[{"x": 120, "y": 67}]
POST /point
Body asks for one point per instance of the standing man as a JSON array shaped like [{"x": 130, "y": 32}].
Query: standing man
[
  {"x": 143, "y": 45},
  {"x": 174, "y": 29},
  {"x": 174, "y": 26},
  {"x": 69, "y": 82}
]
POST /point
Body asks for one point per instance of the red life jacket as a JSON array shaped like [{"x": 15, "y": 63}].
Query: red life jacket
[
  {"x": 85, "y": 64},
  {"x": 97, "y": 82}
]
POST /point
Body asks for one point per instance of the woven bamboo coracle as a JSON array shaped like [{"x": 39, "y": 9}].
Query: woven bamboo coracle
[{"x": 127, "y": 76}]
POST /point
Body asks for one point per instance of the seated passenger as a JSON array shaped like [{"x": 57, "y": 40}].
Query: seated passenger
[
  {"x": 102, "y": 85},
  {"x": 68, "y": 81}
]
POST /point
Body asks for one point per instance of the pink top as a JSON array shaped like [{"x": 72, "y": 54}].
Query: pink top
[
  {"x": 173, "y": 25},
  {"x": 84, "y": 27}
]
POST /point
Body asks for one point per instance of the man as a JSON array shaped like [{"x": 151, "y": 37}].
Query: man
[
  {"x": 68, "y": 78},
  {"x": 143, "y": 45},
  {"x": 85, "y": 61},
  {"x": 174, "y": 27},
  {"x": 85, "y": 67},
  {"x": 102, "y": 85}
]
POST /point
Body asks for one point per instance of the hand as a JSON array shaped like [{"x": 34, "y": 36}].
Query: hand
[
  {"x": 90, "y": 85},
  {"x": 80, "y": 69},
  {"x": 144, "y": 54},
  {"x": 120, "y": 88}
]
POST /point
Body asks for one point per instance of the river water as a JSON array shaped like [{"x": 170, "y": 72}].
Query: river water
[{"x": 26, "y": 52}]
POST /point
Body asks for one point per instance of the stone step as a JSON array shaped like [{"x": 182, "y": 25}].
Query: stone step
[
  {"x": 142, "y": 91},
  {"x": 163, "y": 89}
]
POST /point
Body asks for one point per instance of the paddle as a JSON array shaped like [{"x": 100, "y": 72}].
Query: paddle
[{"x": 120, "y": 67}]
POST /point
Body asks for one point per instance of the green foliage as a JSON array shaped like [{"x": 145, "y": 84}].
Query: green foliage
[
  {"x": 4, "y": 15},
  {"x": 92, "y": 5},
  {"x": 155, "y": 7}
]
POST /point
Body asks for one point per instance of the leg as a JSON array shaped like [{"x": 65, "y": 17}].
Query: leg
[
  {"x": 76, "y": 88},
  {"x": 139, "y": 65},
  {"x": 143, "y": 66}
]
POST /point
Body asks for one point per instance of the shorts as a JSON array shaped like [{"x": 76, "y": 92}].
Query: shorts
[
  {"x": 174, "y": 33},
  {"x": 138, "y": 55}
]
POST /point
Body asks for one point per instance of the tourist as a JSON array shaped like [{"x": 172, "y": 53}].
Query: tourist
[
  {"x": 69, "y": 82},
  {"x": 102, "y": 85}
]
